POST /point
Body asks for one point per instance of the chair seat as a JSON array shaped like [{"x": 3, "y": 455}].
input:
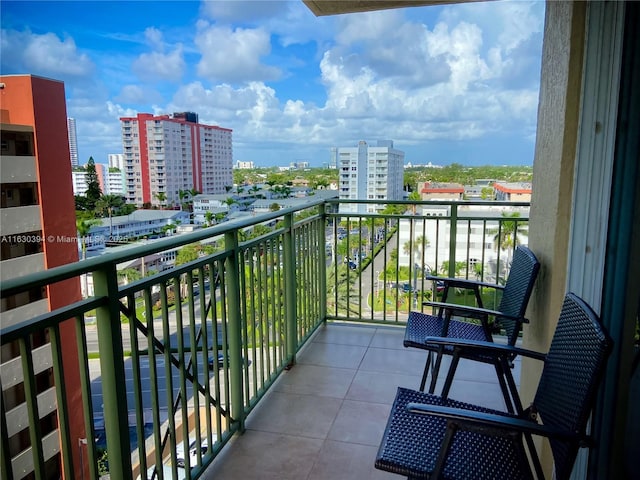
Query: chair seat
[
  {"x": 411, "y": 444},
  {"x": 422, "y": 325}
]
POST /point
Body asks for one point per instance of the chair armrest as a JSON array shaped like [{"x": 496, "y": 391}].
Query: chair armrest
[
  {"x": 463, "y": 282},
  {"x": 462, "y": 310},
  {"x": 488, "y": 348},
  {"x": 472, "y": 418}
]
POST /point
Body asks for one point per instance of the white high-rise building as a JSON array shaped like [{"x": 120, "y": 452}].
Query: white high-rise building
[
  {"x": 370, "y": 173},
  {"x": 73, "y": 141},
  {"x": 165, "y": 154},
  {"x": 116, "y": 160}
]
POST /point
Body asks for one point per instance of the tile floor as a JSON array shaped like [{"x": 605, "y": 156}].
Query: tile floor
[{"x": 323, "y": 419}]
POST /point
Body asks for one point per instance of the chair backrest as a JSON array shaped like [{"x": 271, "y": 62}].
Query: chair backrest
[
  {"x": 517, "y": 290},
  {"x": 570, "y": 377}
]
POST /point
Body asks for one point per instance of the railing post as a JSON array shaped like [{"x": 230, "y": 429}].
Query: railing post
[
  {"x": 290, "y": 289},
  {"x": 453, "y": 232},
  {"x": 234, "y": 328},
  {"x": 322, "y": 268},
  {"x": 105, "y": 281}
]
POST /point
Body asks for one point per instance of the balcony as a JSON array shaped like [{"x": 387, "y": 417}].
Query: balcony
[{"x": 285, "y": 327}]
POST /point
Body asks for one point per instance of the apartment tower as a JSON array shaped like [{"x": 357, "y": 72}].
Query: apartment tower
[
  {"x": 168, "y": 153},
  {"x": 73, "y": 141},
  {"x": 37, "y": 215},
  {"x": 369, "y": 173}
]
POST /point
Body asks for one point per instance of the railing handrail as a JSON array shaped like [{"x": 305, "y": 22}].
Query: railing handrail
[{"x": 70, "y": 270}]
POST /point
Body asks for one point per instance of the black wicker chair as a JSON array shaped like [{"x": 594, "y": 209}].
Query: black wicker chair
[
  {"x": 509, "y": 316},
  {"x": 429, "y": 436}
]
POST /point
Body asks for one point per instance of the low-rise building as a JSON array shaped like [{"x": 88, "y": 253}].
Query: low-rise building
[
  {"x": 441, "y": 191},
  {"x": 512, "y": 192}
]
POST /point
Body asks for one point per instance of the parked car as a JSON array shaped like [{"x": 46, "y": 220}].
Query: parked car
[
  {"x": 193, "y": 451},
  {"x": 221, "y": 361}
]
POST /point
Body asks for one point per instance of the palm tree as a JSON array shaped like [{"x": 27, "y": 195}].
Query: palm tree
[
  {"x": 161, "y": 197},
  {"x": 414, "y": 197},
  {"x": 84, "y": 227},
  {"x": 107, "y": 204},
  {"x": 182, "y": 195},
  {"x": 507, "y": 235},
  {"x": 416, "y": 249},
  {"x": 208, "y": 218}
]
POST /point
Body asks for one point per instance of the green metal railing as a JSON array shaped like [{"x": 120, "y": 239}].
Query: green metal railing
[{"x": 184, "y": 355}]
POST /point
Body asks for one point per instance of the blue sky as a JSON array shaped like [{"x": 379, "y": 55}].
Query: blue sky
[{"x": 455, "y": 83}]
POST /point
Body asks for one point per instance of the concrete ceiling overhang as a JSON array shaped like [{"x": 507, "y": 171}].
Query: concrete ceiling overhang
[{"x": 335, "y": 7}]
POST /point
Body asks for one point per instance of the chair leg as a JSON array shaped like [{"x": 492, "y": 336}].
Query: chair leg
[
  {"x": 503, "y": 386},
  {"x": 425, "y": 373},
  {"x": 436, "y": 370},
  {"x": 450, "y": 374},
  {"x": 513, "y": 389}
]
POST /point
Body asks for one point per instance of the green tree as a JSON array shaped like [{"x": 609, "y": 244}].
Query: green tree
[
  {"x": 274, "y": 207},
  {"x": 107, "y": 204},
  {"x": 182, "y": 195},
  {"x": 84, "y": 227},
  {"x": 93, "y": 192},
  {"x": 162, "y": 198},
  {"x": 208, "y": 218},
  {"x": 414, "y": 197},
  {"x": 507, "y": 235}
]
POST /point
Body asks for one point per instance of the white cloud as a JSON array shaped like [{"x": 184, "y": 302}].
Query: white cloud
[
  {"x": 160, "y": 66},
  {"x": 45, "y": 54},
  {"x": 234, "y": 55}
]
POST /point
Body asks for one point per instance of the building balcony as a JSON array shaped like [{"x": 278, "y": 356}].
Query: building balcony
[{"x": 280, "y": 347}]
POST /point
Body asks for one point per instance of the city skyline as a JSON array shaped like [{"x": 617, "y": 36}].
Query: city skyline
[{"x": 455, "y": 83}]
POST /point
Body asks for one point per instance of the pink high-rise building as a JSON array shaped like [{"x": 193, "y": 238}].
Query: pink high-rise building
[{"x": 169, "y": 153}]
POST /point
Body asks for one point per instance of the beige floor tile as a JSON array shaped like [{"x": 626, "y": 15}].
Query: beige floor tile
[
  {"x": 316, "y": 380},
  {"x": 347, "y": 461},
  {"x": 266, "y": 456},
  {"x": 379, "y": 387},
  {"x": 388, "y": 337},
  {"x": 409, "y": 361},
  {"x": 332, "y": 355},
  {"x": 301, "y": 415},
  {"x": 345, "y": 335},
  {"x": 360, "y": 422}
]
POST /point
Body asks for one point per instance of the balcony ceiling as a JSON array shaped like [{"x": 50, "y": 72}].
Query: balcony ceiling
[{"x": 335, "y": 7}]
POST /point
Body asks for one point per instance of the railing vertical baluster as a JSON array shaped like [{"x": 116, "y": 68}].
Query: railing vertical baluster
[
  {"x": 168, "y": 374},
  {"x": 290, "y": 301},
  {"x": 6, "y": 470},
  {"x": 234, "y": 329},
  {"x": 31, "y": 399},
  {"x": 453, "y": 232},
  {"x": 105, "y": 282},
  {"x": 137, "y": 382},
  {"x": 61, "y": 398},
  {"x": 85, "y": 386}
]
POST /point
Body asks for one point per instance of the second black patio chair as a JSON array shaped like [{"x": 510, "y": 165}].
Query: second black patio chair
[
  {"x": 509, "y": 316},
  {"x": 429, "y": 436}
]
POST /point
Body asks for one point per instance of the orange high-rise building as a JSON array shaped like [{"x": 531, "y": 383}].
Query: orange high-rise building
[{"x": 37, "y": 228}]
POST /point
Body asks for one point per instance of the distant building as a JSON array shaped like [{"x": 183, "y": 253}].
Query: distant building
[
  {"x": 73, "y": 141},
  {"x": 111, "y": 181},
  {"x": 140, "y": 223},
  {"x": 165, "y": 154},
  {"x": 512, "y": 192},
  {"x": 240, "y": 165},
  {"x": 116, "y": 160},
  {"x": 370, "y": 173},
  {"x": 298, "y": 165},
  {"x": 38, "y": 232},
  {"x": 441, "y": 191},
  {"x": 114, "y": 182}
]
